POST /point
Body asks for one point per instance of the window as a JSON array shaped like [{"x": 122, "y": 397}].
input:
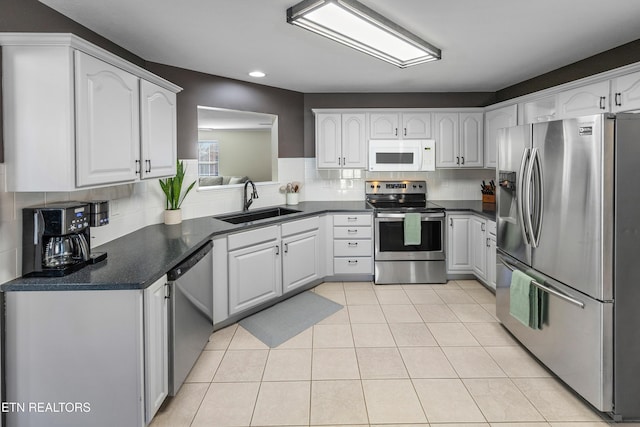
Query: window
[{"x": 208, "y": 158}]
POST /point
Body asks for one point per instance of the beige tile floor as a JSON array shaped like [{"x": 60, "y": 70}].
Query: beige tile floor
[{"x": 394, "y": 355}]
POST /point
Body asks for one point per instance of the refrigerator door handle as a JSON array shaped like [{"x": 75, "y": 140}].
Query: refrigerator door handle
[
  {"x": 535, "y": 234},
  {"x": 520, "y": 194},
  {"x": 527, "y": 196},
  {"x": 547, "y": 289}
]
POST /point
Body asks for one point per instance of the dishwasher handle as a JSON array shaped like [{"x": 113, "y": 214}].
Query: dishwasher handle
[{"x": 175, "y": 273}]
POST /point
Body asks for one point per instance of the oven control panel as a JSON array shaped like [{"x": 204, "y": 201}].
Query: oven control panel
[{"x": 395, "y": 187}]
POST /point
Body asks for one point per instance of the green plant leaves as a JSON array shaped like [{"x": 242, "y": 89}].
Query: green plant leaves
[{"x": 172, "y": 187}]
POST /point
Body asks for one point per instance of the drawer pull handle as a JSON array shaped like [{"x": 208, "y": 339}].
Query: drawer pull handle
[
  {"x": 353, "y": 261},
  {"x": 352, "y": 231},
  {"x": 352, "y": 218},
  {"x": 548, "y": 289},
  {"x": 352, "y": 244}
]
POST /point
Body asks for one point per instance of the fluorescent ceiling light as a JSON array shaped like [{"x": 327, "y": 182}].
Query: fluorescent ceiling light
[
  {"x": 355, "y": 25},
  {"x": 257, "y": 74}
]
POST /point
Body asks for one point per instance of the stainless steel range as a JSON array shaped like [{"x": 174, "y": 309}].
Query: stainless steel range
[{"x": 395, "y": 261}]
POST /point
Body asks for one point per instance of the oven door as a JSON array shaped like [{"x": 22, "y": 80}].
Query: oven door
[{"x": 389, "y": 237}]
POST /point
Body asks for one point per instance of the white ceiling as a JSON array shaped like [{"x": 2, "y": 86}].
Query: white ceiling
[{"x": 486, "y": 45}]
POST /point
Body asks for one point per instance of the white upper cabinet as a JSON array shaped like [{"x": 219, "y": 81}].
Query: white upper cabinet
[
  {"x": 494, "y": 121},
  {"x": 446, "y": 135},
  {"x": 354, "y": 141},
  {"x": 72, "y": 116},
  {"x": 384, "y": 126},
  {"x": 341, "y": 141},
  {"x": 107, "y": 123},
  {"x": 459, "y": 139},
  {"x": 471, "y": 135},
  {"x": 625, "y": 93},
  {"x": 405, "y": 125},
  {"x": 583, "y": 101},
  {"x": 157, "y": 130},
  {"x": 328, "y": 140}
]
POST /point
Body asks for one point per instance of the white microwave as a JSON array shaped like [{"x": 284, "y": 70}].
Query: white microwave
[{"x": 402, "y": 155}]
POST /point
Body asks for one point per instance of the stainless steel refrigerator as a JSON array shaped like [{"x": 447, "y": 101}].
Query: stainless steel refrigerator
[{"x": 568, "y": 215}]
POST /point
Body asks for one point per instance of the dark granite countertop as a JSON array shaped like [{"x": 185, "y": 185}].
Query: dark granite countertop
[
  {"x": 138, "y": 259},
  {"x": 487, "y": 210}
]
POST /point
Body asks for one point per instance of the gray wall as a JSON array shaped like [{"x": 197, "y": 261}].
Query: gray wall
[
  {"x": 213, "y": 91},
  {"x": 608, "y": 60}
]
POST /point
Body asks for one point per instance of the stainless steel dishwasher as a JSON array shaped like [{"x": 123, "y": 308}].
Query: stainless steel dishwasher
[{"x": 190, "y": 313}]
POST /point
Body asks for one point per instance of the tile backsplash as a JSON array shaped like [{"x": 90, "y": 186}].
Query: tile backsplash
[{"x": 133, "y": 206}]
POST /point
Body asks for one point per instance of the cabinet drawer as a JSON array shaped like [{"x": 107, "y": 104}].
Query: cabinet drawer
[
  {"x": 300, "y": 226},
  {"x": 352, "y": 232},
  {"x": 352, "y": 248},
  {"x": 253, "y": 237},
  {"x": 353, "y": 265},
  {"x": 491, "y": 227},
  {"x": 354, "y": 219}
]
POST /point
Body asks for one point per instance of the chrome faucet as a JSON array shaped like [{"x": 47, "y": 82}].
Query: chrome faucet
[{"x": 253, "y": 195}]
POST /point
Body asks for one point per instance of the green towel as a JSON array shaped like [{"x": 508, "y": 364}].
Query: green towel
[
  {"x": 412, "y": 230},
  {"x": 523, "y": 299}
]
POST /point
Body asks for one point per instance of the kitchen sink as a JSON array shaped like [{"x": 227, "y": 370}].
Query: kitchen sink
[{"x": 239, "y": 218}]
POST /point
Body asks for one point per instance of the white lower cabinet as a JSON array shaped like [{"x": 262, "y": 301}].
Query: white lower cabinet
[
  {"x": 471, "y": 247},
  {"x": 268, "y": 262},
  {"x": 491, "y": 261},
  {"x": 156, "y": 347},
  {"x": 105, "y": 349},
  {"x": 254, "y": 272},
  {"x": 352, "y": 244},
  {"x": 478, "y": 250},
  {"x": 458, "y": 244},
  {"x": 300, "y": 260}
]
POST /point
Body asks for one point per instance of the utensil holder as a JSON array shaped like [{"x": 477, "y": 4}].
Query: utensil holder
[{"x": 292, "y": 198}]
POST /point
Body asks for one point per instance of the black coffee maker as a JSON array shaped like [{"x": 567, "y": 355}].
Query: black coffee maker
[{"x": 55, "y": 239}]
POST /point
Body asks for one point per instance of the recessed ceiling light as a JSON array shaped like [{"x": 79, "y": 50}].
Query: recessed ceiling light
[{"x": 257, "y": 74}]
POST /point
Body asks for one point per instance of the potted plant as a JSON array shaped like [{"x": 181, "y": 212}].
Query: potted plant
[{"x": 172, "y": 188}]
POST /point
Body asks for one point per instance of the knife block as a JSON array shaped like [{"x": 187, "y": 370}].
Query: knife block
[{"x": 488, "y": 198}]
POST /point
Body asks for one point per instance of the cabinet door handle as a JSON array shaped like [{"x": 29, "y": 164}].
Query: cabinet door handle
[
  {"x": 602, "y": 99},
  {"x": 451, "y": 222},
  {"x": 405, "y": 131},
  {"x": 137, "y": 167},
  {"x": 488, "y": 242},
  {"x": 457, "y": 160},
  {"x": 352, "y": 244},
  {"x": 167, "y": 291},
  {"x": 617, "y": 99},
  {"x": 277, "y": 249},
  {"x": 148, "y": 162},
  {"x": 482, "y": 226},
  {"x": 462, "y": 160},
  {"x": 395, "y": 132},
  {"x": 286, "y": 248},
  {"x": 344, "y": 161}
]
